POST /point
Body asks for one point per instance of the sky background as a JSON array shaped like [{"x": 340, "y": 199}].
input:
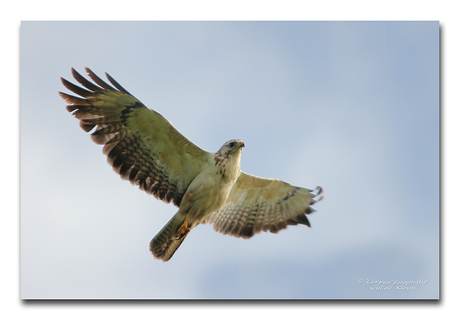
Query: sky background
[{"x": 350, "y": 106}]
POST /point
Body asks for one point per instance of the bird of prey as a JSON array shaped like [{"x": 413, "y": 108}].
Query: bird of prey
[{"x": 207, "y": 187}]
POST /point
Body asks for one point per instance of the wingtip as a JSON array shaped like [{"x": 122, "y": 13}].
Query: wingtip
[
  {"x": 318, "y": 194},
  {"x": 90, "y": 72},
  {"x": 74, "y": 72},
  {"x": 319, "y": 190},
  {"x": 65, "y": 96},
  {"x": 66, "y": 82},
  {"x": 116, "y": 84}
]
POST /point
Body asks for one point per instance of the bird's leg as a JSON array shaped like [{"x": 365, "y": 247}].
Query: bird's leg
[{"x": 184, "y": 229}]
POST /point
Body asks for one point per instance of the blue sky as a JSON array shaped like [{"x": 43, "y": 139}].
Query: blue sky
[{"x": 350, "y": 106}]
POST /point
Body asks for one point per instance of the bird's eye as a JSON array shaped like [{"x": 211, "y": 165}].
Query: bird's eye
[{"x": 232, "y": 144}]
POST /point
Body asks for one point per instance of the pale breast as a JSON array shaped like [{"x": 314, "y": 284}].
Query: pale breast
[{"x": 209, "y": 190}]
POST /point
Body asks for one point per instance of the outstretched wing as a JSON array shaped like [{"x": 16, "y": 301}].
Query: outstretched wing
[
  {"x": 258, "y": 204},
  {"x": 141, "y": 145}
]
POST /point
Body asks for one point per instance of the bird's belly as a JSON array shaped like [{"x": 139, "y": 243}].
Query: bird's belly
[{"x": 202, "y": 199}]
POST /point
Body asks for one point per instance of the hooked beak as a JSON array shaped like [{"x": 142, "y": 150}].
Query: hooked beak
[{"x": 241, "y": 144}]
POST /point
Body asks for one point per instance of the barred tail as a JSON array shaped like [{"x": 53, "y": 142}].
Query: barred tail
[{"x": 168, "y": 240}]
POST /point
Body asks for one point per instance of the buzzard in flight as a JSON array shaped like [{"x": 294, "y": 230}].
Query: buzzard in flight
[{"x": 208, "y": 187}]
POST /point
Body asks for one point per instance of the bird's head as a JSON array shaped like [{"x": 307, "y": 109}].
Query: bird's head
[{"x": 231, "y": 147}]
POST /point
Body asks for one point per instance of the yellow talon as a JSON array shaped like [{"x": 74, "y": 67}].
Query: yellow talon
[{"x": 184, "y": 228}]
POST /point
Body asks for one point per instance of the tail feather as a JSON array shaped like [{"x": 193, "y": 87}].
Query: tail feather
[{"x": 168, "y": 240}]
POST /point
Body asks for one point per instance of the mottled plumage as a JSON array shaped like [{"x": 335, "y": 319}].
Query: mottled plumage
[{"x": 145, "y": 148}]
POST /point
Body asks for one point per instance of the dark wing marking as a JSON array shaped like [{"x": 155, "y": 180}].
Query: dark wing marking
[{"x": 257, "y": 204}]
